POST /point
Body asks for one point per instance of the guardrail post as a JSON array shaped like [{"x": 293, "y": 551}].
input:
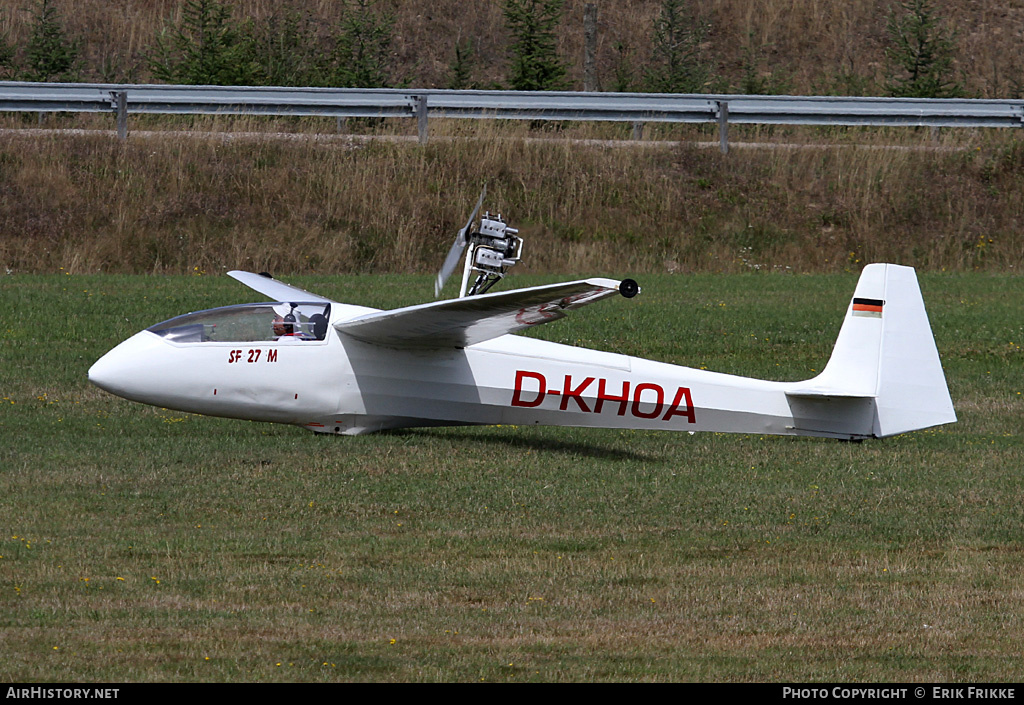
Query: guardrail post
[
  {"x": 723, "y": 126},
  {"x": 121, "y": 103},
  {"x": 421, "y": 117},
  {"x": 638, "y": 130}
]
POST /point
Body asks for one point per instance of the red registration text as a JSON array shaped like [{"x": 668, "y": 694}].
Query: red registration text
[
  {"x": 596, "y": 395},
  {"x": 252, "y": 355}
]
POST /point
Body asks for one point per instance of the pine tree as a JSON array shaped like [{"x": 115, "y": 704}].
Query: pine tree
[
  {"x": 6, "y": 55},
  {"x": 460, "y": 70},
  {"x": 623, "y": 79},
  {"x": 285, "y": 49},
  {"x": 362, "y": 55},
  {"x": 677, "y": 65},
  {"x": 49, "y": 54},
  {"x": 535, "y": 62},
  {"x": 206, "y": 49},
  {"x": 920, "y": 55}
]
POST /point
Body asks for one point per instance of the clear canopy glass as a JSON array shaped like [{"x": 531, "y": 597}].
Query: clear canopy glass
[{"x": 267, "y": 322}]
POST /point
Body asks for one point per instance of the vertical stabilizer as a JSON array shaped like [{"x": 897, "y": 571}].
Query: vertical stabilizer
[{"x": 886, "y": 351}]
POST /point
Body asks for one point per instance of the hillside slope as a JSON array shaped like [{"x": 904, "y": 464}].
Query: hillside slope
[{"x": 783, "y": 46}]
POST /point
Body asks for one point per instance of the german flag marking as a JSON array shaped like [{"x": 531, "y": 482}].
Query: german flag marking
[{"x": 871, "y": 308}]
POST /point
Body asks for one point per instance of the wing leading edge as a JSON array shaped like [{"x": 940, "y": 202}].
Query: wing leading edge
[
  {"x": 461, "y": 322},
  {"x": 274, "y": 289}
]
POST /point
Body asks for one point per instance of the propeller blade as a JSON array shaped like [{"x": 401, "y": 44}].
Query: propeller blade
[
  {"x": 455, "y": 253},
  {"x": 450, "y": 262}
]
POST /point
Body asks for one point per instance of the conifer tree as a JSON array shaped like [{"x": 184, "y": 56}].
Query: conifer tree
[
  {"x": 6, "y": 56},
  {"x": 676, "y": 62},
  {"x": 206, "y": 49},
  {"x": 362, "y": 54},
  {"x": 460, "y": 70},
  {"x": 49, "y": 55},
  {"x": 535, "y": 63},
  {"x": 920, "y": 55},
  {"x": 285, "y": 49}
]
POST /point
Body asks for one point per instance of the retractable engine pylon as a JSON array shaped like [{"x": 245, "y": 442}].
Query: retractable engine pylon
[{"x": 493, "y": 249}]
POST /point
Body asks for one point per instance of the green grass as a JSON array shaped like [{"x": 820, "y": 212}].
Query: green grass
[{"x": 140, "y": 544}]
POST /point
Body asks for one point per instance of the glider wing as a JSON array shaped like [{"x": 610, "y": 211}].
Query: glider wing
[{"x": 457, "y": 323}]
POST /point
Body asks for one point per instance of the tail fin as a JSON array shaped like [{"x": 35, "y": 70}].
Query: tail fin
[{"x": 885, "y": 354}]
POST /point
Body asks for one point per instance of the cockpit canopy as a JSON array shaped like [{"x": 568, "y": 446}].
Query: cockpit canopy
[{"x": 284, "y": 321}]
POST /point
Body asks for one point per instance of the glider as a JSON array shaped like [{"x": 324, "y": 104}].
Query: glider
[{"x": 338, "y": 368}]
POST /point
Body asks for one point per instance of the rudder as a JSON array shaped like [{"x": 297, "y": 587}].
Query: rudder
[{"x": 912, "y": 391}]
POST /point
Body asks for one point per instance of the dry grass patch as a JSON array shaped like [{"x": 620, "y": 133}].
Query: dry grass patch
[{"x": 174, "y": 204}]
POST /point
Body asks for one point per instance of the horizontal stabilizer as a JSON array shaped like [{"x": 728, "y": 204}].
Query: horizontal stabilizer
[
  {"x": 813, "y": 393},
  {"x": 457, "y": 323}
]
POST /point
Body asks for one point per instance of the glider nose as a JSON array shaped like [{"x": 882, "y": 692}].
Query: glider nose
[
  {"x": 122, "y": 371},
  {"x": 104, "y": 373}
]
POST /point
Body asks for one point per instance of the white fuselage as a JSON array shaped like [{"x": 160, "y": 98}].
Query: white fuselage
[
  {"x": 338, "y": 368},
  {"x": 343, "y": 385}
]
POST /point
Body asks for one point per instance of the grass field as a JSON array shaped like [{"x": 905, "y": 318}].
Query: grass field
[{"x": 140, "y": 544}]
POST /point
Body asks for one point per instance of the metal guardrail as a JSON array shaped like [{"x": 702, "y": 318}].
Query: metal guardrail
[{"x": 636, "y": 108}]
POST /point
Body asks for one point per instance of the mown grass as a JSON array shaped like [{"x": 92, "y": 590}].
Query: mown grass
[{"x": 140, "y": 544}]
